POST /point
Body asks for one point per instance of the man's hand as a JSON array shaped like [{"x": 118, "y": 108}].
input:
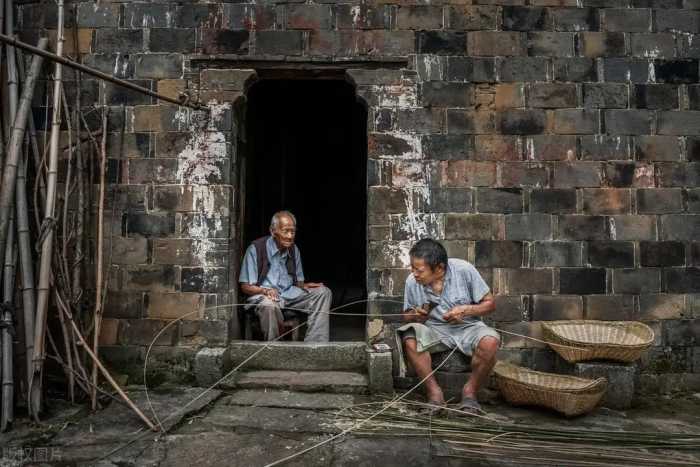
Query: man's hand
[
  {"x": 272, "y": 294},
  {"x": 416, "y": 314},
  {"x": 457, "y": 314},
  {"x": 312, "y": 285}
]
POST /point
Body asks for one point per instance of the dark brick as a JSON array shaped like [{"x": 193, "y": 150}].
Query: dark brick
[
  {"x": 625, "y": 70},
  {"x": 447, "y": 147},
  {"x": 144, "y": 15},
  {"x": 495, "y": 43},
  {"x": 581, "y": 281},
  {"x": 605, "y": 96},
  {"x": 657, "y": 148},
  {"x": 632, "y": 227},
  {"x": 693, "y": 200},
  {"x": 574, "y": 69},
  {"x": 653, "y": 45},
  {"x": 471, "y": 226},
  {"x": 519, "y": 174},
  {"x": 419, "y": 120},
  {"x": 627, "y": 174},
  {"x": 497, "y": 148},
  {"x": 442, "y": 94},
  {"x": 473, "y": 17},
  {"x": 499, "y": 200},
  {"x": 91, "y": 15},
  {"x": 693, "y": 149},
  {"x": 660, "y": 254},
  {"x": 606, "y": 200},
  {"x": 680, "y": 227},
  {"x": 656, "y": 96},
  {"x": 365, "y": 16},
  {"x": 150, "y": 225},
  {"x": 526, "y": 281},
  {"x": 628, "y": 122},
  {"x": 602, "y": 44},
  {"x": 124, "y": 40},
  {"x": 647, "y": 280},
  {"x": 503, "y": 254},
  {"x": 576, "y": 121},
  {"x": 528, "y": 227},
  {"x": 151, "y": 278},
  {"x": 309, "y": 16},
  {"x": 611, "y": 254},
  {"x": 278, "y": 42},
  {"x": 450, "y": 200},
  {"x": 552, "y": 95},
  {"x": 171, "y": 39},
  {"x": 441, "y": 42},
  {"x": 142, "y": 332},
  {"x": 557, "y": 254},
  {"x": 471, "y": 69},
  {"x": 660, "y": 200},
  {"x": 576, "y": 174},
  {"x": 509, "y": 308},
  {"x": 123, "y": 305},
  {"x": 158, "y": 65},
  {"x": 609, "y": 307},
  {"x": 518, "y": 69},
  {"x": 520, "y": 18},
  {"x": 207, "y": 280},
  {"x": 553, "y": 201},
  {"x": 522, "y": 122},
  {"x": 550, "y": 44},
  {"x": 695, "y": 253},
  {"x": 693, "y": 97},
  {"x": 603, "y": 147},
  {"x": 470, "y": 122},
  {"x": 118, "y": 95},
  {"x": 683, "y": 280},
  {"x": 575, "y": 19},
  {"x": 556, "y": 307},
  {"x": 197, "y": 16},
  {"x": 577, "y": 227},
  {"x": 627, "y": 20},
  {"x": 551, "y": 147},
  {"x": 678, "y": 123},
  {"x": 676, "y": 71},
  {"x": 382, "y": 144},
  {"x": 685, "y": 333},
  {"x": 672, "y": 20}
]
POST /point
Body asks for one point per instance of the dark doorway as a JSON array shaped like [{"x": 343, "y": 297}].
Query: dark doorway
[{"x": 307, "y": 152}]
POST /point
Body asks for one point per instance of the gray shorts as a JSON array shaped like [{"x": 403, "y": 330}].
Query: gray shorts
[{"x": 429, "y": 340}]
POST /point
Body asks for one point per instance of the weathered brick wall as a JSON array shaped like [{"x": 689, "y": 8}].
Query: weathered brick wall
[{"x": 555, "y": 145}]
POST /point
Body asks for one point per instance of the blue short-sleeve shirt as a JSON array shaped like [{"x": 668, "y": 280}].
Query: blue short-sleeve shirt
[
  {"x": 463, "y": 285},
  {"x": 277, "y": 277}
]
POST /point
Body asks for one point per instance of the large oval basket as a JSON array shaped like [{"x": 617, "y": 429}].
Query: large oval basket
[
  {"x": 566, "y": 394},
  {"x": 581, "y": 340}
]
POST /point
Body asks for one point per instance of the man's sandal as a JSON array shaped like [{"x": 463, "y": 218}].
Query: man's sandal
[
  {"x": 468, "y": 407},
  {"x": 433, "y": 408}
]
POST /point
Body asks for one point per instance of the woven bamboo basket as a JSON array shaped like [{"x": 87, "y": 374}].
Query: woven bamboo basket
[
  {"x": 583, "y": 340},
  {"x": 569, "y": 395}
]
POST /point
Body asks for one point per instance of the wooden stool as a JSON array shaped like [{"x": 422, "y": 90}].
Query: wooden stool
[{"x": 251, "y": 324}]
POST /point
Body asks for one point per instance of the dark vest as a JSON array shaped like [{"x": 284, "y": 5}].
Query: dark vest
[{"x": 264, "y": 262}]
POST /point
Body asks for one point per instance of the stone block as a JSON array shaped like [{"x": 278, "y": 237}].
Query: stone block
[
  {"x": 365, "y": 16},
  {"x": 420, "y": 120},
  {"x": 145, "y": 15},
  {"x": 144, "y": 332},
  {"x": 680, "y": 227},
  {"x": 472, "y": 17},
  {"x": 442, "y": 94},
  {"x": 620, "y": 377},
  {"x": 123, "y": 304},
  {"x": 150, "y": 278},
  {"x": 579, "y": 227},
  {"x": 124, "y": 40},
  {"x": 575, "y": 19},
  {"x": 526, "y": 281},
  {"x": 175, "y": 305},
  {"x": 209, "y": 332},
  {"x": 656, "y": 96},
  {"x": 522, "y": 122},
  {"x": 442, "y": 43},
  {"x": 557, "y": 254},
  {"x": 210, "y": 365},
  {"x": 129, "y": 250},
  {"x": 554, "y": 201},
  {"x": 495, "y": 43},
  {"x": 471, "y": 69},
  {"x": 188, "y": 198},
  {"x": 659, "y": 200},
  {"x": 576, "y": 122},
  {"x": 91, "y": 15},
  {"x": 550, "y": 44},
  {"x": 676, "y": 71},
  {"x": 450, "y": 200},
  {"x": 109, "y": 331},
  {"x": 678, "y": 174},
  {"x": 445, "y": 147},
  {"x": 673, "y": 20},
  {"x": 499, "y": 200},
  {"x": 221, "y": 41},
  {"x": 198, "y": 15},
  {"x": 627, "y": 20},
  {"x": 528, "y": 227},
  {"x": 509, "y": 96},
  {"x": 605, "y": 95},
  {"x": 147, "y": 171},
  {"x": 635, "y": 281},
  {"x": 557, "y": 307},
  {"x": 419, "y": 17},
  {"x": 491, "y": 253},
  {"x": 520, "y": 18},
  {"x": 632, "y": 227},
  {"x": 523, "y": 69},
  {"x": 162, "y": 65},
  {"x": 379, "y": 372},
  {"x": 577, "y": 174},
  {"x": 615, "y": 254},
  {"x": 473, "y": 226},
  {"x": 463, "y": 174},
  {"x": 628, "y": 174},
  {"x": 150, "y": 225},
  {"x": 679, "y": 280},
  {"x": 603, "y": 147},
  {"x": 656, "y": 254},
  {"x": 609, "y": 307},
  {"x": 551, "y": 148},
  {"x": 510, "y": 308},
  {"x": 582, "y": 281},
  {"x": 171, "y": 39},
  {"x": 602, "y": 44},
  {"x": 206, "y": 280},
  {"x": 577, "y": 69},
  {"x": 306, "y": 16},
  {"x": 521, "y": 174},
  {"x": 607, "y": 201},
  {"x": 626, "y": 70},
  {"x": 662, "y": 306}
]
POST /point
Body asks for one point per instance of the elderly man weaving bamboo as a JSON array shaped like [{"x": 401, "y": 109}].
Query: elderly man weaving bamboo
[
  {"x": 272, "y": 277},
  {"x": 444, "y": 301}
]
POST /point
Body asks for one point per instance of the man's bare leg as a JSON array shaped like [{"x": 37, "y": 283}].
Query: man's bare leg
[
  {"x": 422, "y": 363},
  {"x": 483, "y": 360}
]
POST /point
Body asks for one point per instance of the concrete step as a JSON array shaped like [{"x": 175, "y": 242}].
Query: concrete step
[
  {"x": 343, "y": 382},
  {"x": 300, "y": 356},
  {"x": 292, "y": 399}
]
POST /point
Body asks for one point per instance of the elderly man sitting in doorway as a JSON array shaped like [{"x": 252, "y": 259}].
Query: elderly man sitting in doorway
[
  {"x": 444, "y": 301},
  {"x": 272, "y": 278}
]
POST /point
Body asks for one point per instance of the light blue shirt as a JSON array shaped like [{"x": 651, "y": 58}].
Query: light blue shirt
[
  {"x": 277, "y": 276},
  {"x": 463, "y": 285}
]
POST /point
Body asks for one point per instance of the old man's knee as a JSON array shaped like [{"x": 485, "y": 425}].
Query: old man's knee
[{"x": 488, "y": 346}]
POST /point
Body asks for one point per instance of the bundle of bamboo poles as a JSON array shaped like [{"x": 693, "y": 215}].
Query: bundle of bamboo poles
[{"x": 60, "y": 180}]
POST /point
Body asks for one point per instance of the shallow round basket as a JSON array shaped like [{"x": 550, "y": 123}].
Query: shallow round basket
[
  {"x": 581, "y": 340},
  {"x": 569, "y": 395}
]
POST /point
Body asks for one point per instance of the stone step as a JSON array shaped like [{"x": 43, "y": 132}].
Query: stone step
[
  {"x": 292, "y": 399},
  {"x": 300, "y": 356},
  {"x": 343, "y": 382}
]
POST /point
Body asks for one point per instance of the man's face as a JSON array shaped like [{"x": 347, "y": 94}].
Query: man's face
[
  {"x": 284, "y": 233},
  {"x": 423, "y": 273}
]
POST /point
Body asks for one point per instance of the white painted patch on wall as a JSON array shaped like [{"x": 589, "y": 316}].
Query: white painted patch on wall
[{"x": 613, "y": 229}]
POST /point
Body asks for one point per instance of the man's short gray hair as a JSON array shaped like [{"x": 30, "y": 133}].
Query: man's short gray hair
[{"x": 275, "y": 222}]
